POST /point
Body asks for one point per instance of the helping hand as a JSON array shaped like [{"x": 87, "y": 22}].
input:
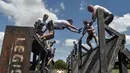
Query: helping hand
[{"x": 79, "y": 30}]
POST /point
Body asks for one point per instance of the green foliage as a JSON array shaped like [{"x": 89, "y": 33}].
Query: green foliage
[
  {"x": 60, "y": 64},
  {"x": 128, "y": 65}
]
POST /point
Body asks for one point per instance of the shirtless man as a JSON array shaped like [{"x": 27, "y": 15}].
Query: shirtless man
[
  {"x": 91, "y": 33},
  {"x": 108, "y": 16}
]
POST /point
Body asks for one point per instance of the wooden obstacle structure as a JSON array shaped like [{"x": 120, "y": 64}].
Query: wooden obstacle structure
[
  {"x": 18, "y": 44},
  {"x": 103, "y": 57}
]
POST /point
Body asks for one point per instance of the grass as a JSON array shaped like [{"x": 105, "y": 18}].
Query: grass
[
  {"x": 113, "y": 71},
  {"x": 117, "y": 71}
]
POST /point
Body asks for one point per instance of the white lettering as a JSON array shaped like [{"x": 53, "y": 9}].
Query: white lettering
[
  {"x": 17, "y": 52},
  {"x": 17, "y": 66},
  {"x": 16, "y": 71},
  {"x": 17, "y": 58},
  {"x": 19, "y": 48},
  {"x": 22, "y": 39}
]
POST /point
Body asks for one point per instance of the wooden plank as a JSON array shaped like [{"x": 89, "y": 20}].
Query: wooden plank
[
  {"x": 68, "y": 61},
  {"x": 110, "y": 45},
  {"x": 76, "y": 67},
  {"x": 16, "y": 49},
  {"x": 126, "y": 52},
  {"x": 112, "y": 30},
  {"x": 75, "y": 62},
  {"x": 112, "y": 56},
  {"x": 90, "y": 61},
  {"x": 84, "y": 48},
  {"x": 122, "y": 63},
  {"x": 43, "y": 56},
  {"x": 39, "y": 41},
  {"x": 80, "y": 55},
  {"x": 72, "y": 60},
  {"x": 95, "y": 68},
  {"x": 114, "y": 53},
  {"x": 94, "y": 60},
  {"x": 75, "y": 48},
  {"x": 102, "y": 41}
]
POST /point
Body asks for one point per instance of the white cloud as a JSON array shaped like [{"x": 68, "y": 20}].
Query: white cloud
[
  {"x": 25, "y": 12},
  {"x": 69, "y": 42},
  {"x": 121, "y": 24},
  {"x": 83, "y": 5},
  {"x": 127, "y": 39},
  {"x": 62, "y": 5},
  {"x": 1, "y": 39},
  {"x": 56, "y": 10},
  {"x": 59, "y": 9},
  {"x": 57, "y": 41}
]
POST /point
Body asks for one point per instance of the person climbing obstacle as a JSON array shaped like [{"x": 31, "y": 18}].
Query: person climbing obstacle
[
  {"x": 91, "y": 33},
  {"x": 50, "y": 54},
  {"x": 62, "y": 24},
  {"x": 40, "y": 23},
  {"x": 41, "y": 26},
  {"x": 108, "y": 16}
]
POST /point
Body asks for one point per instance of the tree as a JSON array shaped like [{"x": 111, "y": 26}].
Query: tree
[{"x": 60, "y": 64}]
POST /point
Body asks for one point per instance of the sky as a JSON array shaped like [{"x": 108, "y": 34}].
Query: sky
[{"x": 26, "y": 12}]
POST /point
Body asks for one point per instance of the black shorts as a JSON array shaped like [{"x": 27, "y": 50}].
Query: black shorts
[
  {"x": 108, "y": 18},
  {"x": 90, "y": 36}
]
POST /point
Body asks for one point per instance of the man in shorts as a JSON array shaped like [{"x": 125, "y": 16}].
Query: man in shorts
[
  {"x": 108, "y": 16},
  {"x": 60, "y": 25},
  {"x": 91, "y": 33}
]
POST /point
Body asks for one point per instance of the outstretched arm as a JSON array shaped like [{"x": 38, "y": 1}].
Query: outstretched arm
[
  {"x": 69, "y": 25},
  {"x": 48, "y": 36},
  {"x": 93, "y": 18},
  {"x": 73, "y": 30}
]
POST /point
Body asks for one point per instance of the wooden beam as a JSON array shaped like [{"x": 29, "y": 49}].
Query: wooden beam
[
  {"x": 84, "y": 48},
  {"x": 90, "y": 61},
  {"x": 112, "y": 56},
  {"x": 122, "y": 63},
  {"x": 80, "y": 55},
  {"x": 102, "y": 41},
  {"x": 39, "y": 42},
  {"x": 112, "y": 30},
  {"x": 126, "y": 52},
  {"x": 110, "y": 45}
]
